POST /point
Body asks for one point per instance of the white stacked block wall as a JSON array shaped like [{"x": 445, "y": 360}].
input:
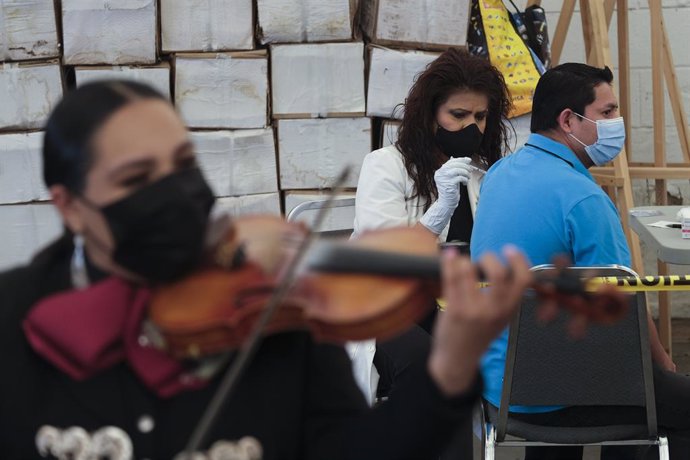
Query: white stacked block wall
[{"x": 27, "y": 224}]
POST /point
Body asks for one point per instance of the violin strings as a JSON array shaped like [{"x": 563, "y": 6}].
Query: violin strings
[{"x": 249, "y": 347}]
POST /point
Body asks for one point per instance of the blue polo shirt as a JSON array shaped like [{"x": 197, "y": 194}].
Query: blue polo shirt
[{"x": 543, "y": 200}]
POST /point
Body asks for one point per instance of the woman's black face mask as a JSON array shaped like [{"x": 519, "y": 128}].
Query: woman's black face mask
[
  {"x": 159, "y": 230},
  {"x": 462, "y": 143}
]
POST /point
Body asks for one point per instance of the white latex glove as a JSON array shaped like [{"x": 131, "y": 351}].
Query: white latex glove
[{"x": 448, "y": 178}]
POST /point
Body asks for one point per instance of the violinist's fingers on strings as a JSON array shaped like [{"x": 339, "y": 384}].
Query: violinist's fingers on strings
[
  {"x": 458, "y": 276},
  {"x": 507, "y": 282},
  {"x": 496, "y": 273}
]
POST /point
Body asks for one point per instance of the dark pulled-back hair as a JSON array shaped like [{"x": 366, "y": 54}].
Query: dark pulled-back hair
[
  {"x": 454, "y": 70},
  {"x": 67, "y": 149},
  {"x": 567, "y": 86}
]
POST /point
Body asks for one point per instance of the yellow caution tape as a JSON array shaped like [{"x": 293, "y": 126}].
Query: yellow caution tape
[{"x": 626, "y": 284}]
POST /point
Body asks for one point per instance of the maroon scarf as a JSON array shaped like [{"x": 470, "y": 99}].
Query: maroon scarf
[{"x": 83, "y": 332}]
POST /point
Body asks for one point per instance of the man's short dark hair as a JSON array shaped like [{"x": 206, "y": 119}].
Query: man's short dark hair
[{"x": 567, "y": 86}]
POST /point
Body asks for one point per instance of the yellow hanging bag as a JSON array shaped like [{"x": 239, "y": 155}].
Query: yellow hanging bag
[{"x": 509, "y": 54}]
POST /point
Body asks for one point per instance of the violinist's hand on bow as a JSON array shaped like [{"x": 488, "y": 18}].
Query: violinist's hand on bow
[{"x": 473, "y": 317}]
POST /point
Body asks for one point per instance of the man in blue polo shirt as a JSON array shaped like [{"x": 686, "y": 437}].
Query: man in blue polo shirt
[{"x": 543, "y": 200}]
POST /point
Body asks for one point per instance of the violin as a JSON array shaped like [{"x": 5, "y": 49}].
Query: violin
[{"x": 375, "y": 286}]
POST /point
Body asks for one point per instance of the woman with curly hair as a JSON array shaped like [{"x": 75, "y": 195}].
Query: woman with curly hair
[{"x": 454, "y": 127}]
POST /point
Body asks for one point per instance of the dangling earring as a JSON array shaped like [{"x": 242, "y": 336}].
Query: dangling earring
[{"x": 80, "y": 276}]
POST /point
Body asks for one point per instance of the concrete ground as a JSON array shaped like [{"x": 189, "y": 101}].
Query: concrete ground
[{"x": 681, "y": 356}]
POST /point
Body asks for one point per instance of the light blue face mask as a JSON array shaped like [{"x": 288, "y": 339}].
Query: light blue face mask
[{"x": 610, "y": 139}]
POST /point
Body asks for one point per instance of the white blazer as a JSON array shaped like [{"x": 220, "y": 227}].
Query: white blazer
[{"x": 384, "y": 200}]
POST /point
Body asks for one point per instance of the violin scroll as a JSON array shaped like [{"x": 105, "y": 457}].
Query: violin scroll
[{"x": 569, "y": 291}]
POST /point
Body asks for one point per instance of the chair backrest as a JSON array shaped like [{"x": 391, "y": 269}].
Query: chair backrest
[
  {"x": 611, "y": 365},
  {"x": 316, "y": 205}
]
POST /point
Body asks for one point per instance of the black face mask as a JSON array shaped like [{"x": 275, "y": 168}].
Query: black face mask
[
  {"x": 461, "y": 143},
  {"x": 159, "y": 230}
]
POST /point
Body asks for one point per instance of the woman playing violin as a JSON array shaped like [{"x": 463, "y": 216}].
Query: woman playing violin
[{"x": 82, "y": 377}]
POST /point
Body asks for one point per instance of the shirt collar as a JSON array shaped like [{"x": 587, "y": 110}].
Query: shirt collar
[{"x": 560, "y": 150}]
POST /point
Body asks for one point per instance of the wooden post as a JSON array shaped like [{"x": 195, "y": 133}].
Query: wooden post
[
  {"x": 609, "y": 6},
  {"x": 624, "y": 71},
  {"x": 676, "y": 96},
  {"x": 561, "y": 31},
  {"x": 658, "y": 97}
]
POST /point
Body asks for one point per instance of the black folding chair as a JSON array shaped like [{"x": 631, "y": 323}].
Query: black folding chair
[{"x": 610, "y": 366}]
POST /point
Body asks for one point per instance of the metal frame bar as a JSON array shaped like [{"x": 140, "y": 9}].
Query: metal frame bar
[{"x": 318, "y": 204}]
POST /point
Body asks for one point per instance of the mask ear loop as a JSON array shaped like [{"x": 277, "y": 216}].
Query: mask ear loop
[
  {"x": 578, "y": 140},
  {"x": 572, "y": 135},
  {"x": 584, "y": 117}
]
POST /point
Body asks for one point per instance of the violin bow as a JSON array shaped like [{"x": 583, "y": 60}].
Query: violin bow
[{"x": 234, "y": 373}]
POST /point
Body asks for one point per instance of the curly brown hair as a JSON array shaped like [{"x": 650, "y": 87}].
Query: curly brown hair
[{"x": 454, "y": 70}]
